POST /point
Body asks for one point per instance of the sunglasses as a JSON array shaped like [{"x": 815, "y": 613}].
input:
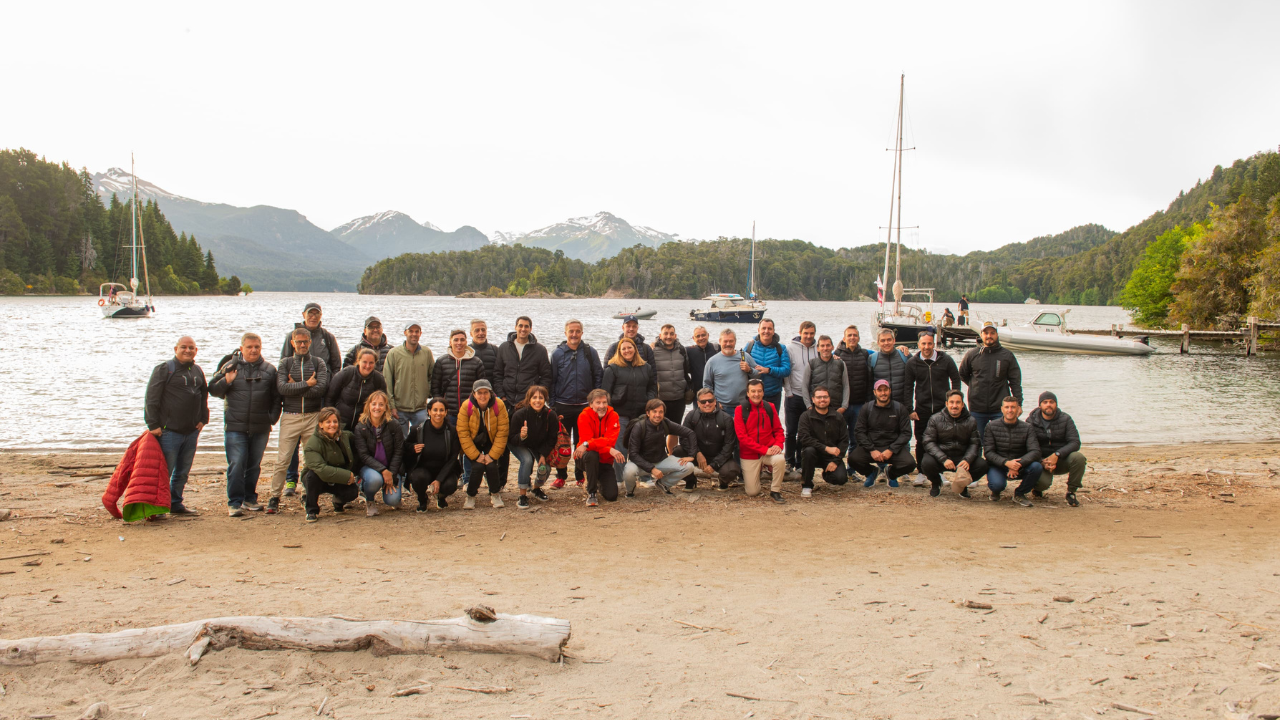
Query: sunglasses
[{"x": 707, "y": 402}]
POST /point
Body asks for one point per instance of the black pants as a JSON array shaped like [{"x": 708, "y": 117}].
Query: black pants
[
  {"x": 674, "y": 411},
  {"x": 812, "y": 458},
  {"x": 899, "y": 464},
  {"x": 918, "y": 426},
  {"x": 793, "y": 407},
  {"x": 420, "y": 479},
  {"x": 600, "y": 476},
  {"x": 569, "y": 416},
  {"x": 493, "y": 473},
  {"x": 729, "y": 472},
  {"x": 315, "y": 487},
  {"x": 933, "y": 469}
]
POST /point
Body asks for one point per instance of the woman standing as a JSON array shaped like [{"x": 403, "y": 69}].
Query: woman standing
[
  {"x": 534, "y": 429},
  {"x": 331, "y": 465},
  {"x": 380, "y": 445},
  {"x": 432, "y": 457},
  {"x": 352, "y": 386},
  {"x": 631, "y": 383}
]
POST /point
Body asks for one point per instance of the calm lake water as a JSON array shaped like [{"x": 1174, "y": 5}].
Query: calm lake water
[{"x": 71, "y": 380}]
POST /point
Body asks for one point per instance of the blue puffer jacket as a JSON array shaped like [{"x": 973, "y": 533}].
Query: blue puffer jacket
[
  {"x": 776, "y": 358},
  {"x": 574, "y": 373}
]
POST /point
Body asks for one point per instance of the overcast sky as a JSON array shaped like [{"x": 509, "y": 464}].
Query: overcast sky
[{"x": 692, "y": 118}]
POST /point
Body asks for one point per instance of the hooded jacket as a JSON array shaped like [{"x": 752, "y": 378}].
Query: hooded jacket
[
  {"x": 365, "y": 439},
  {"x": 574, "y": 373},
  {"x": 494, "y": 417},
  {"x": 408, "y": 376},
  {"x": 758, "y": 428},
  {"x": 992, "y": 374},
  {"x": 820, "y": 431},
  {"x": 291, "y": 383},
  {"x": 514, "y": 372},
  {"x": 893, "y": 369},
  {"x": 717, "y": 438},
  {"x": 250, "y": 403},
  {"x": 857, "y": 360},
  {"x": 834, "y": 376},
  {"x": 927, "y": 382},
  {"x": 382, "y": 349},
  {"x": 453, "y": 378},
  {"x": 1057, "y": 436},
  {"x": 880, "y": 428},
  {"x": 773, "y": 356},
  {"x": 1002, "y": 442},
  {"x": 177, "y": 397},
  {"x": 630, "y": 387},
  {"x": 599, "y": 434},
  {"x": 698, "y": 358},
  {"x": 323, "y": 345},
  {"x": 801, "y": 355},
  {"x": 642, "y": 347},
  {"x": 671, "y": 367},
  {"x": 544, "y": 430},
  {"x": 648, "y": 442},
  {"x": 952, "y": 438},
  {"x": 349, "y": 389},
  {"x": 141, "y": 480},
  {"x": 333, "y": 461}
]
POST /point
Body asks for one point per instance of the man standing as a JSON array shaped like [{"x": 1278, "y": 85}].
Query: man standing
[
  {"x": 485, "y": 350},
  {"x": 672, "y": 367},
  {"x": 631, "y": 329},
  {"x": 824, "y": 441},
  {"x": 802, "y": 350},
  {"x": 323, "y": 346},
  {"x": 883, "y": 433},
  {"x": 1012, "y": 452},
  {"x": 773, "y": 360},
  {"x": 992, "y": 373},
  {"x": 699, "y": 353},
  {"x": 456, "y": 373},
  {"x": 176, "y": 410},
  {"x": 857, "y": 362},
  {"x": 301, "y": 381},
  {"x": 830, "y": 372},
  {"x": 1060, "y": 446},
  {"x": 931, "y": 374},
  {"x": 251, "y": 405},
  {"x": 522, "y": 362},
  {"x": 760, "y": 440},
  {"x": 374, "y": 339},
  {"x": 951, "y": 443},
  {"x": 408, "y": 375},
  {"x": 889, "y": 363},
  {"x": 727, "y": 373},
  {"x": 963, "y": 306},
  {"x": 575, "y": 372},
  {"x": 717, "y": 442}
]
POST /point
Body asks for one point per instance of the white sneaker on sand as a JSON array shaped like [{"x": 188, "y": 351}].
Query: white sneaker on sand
[
  {"x": 470, "y": 504},
  {"x": 920, "y": 480},
  {"x": 370, "y": 510},
  {"x": 496, "y": 500},
  {"x": 806, "y": 492}
]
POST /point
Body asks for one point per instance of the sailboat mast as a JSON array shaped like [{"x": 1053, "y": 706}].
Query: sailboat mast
[
  {"x": 897, "y": 270},
  {"x": 133, "y": 246},
  {"x": 888, "y": 242},
  {"x": 751, "y": 272}
]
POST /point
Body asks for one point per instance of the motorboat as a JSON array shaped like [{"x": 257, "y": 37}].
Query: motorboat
[
  {"x": 637, "y": 313},
  {"x": 120, "y": 301},
  {"x": 1048, "y": 332},
  {"x": 732, "y": 307}
]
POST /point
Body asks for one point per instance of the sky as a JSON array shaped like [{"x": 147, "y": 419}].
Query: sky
[{"x": 694, "y": 118}]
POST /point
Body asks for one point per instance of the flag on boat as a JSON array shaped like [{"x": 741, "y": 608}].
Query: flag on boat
[{"x": 879, "y": 290}]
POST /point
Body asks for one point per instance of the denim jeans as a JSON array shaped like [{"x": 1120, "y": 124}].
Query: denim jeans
[
  {"x": 851, "y": 420},
  {"x": 998, "y": 478},
  {"x": 179, "y": 450},
  {"x": 410, "y": 420},
  {"x": 983, "y": 419},
  {"x": 672, "y": 472},
  {"x": 622, "y": 448},
  {"x": 244, "y": 465},
  {"x": 371, "y": 481},
  {"x": 291, "y": 475},
  {"x": 527, "y": 465},
  {"x": 793, "y": 407}
]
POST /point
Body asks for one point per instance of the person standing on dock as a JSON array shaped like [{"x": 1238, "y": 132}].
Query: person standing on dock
[
  {"x": 931, "y": 374},
  {"x": 251, "y": 405},
  {"x": 963, "y": 307},
  {"x": 176, "y": 410},
  {"x": 992, "y": 373},
  {"x": 1060, "y": 445},
  {"x": 575, "y": 372}
]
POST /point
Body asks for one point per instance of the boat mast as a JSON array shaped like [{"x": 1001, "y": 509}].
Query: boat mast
[
  {"x": 897, "y": 270},
  {"x": 888, "y": 242},
  {"x": 751, "y": 272},
  {"x": 133, "y": 246}
]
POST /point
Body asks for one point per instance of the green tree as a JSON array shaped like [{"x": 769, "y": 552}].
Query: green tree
[
  {"x": 1149, "y": 290},
  {"x": 1264, "y": 286},
  {"x": 1210, "y": 287}
]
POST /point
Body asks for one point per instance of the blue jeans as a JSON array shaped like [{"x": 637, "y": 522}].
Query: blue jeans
[
  {"x": 527, "y": 464},
  {"x": 851, "y": 421},
  {"x": 793, "y": 407},
  {"x": 672, "y": 472},
  {"x": 622, "y": 448},
  {"x": 371, "y": 482},
  {"x": 983, "y": 419},
  {"x": 410, "y": 420},
  {"x": 291, "y": 475},
  {"x": 244, "y": 465},
  {"x": 179, "y": 450},
  {"x": 998, "y": 478}
]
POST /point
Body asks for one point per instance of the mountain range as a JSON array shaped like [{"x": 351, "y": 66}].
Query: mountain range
[{"x": 588, "y": 239}]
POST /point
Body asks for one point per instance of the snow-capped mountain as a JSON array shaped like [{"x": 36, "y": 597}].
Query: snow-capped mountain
[
  {"x": 391, "y": 233},
  {"x": 588, "y": 238},
  {"x": 386, "y": 219},
  {"x": 117, "y": 181}
]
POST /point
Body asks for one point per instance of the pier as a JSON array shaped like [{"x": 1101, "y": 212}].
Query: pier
[{"x": 1248, "y": 333}]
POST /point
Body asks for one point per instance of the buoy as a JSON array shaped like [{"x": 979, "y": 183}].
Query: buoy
[{"x": 101, "y": 302}]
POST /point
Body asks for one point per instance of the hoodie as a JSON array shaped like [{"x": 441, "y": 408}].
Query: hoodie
[
  {"x": 797, "y": 384},
  {"x": 452, "y": 378}
]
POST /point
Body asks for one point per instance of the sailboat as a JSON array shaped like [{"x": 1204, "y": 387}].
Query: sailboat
[
  {"x": 119, "y": 301},
  {"x": 732, "y": 307},
  {"x": 906, "y": 320}
]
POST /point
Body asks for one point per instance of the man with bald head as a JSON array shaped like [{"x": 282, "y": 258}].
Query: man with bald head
[{"x": 176, "y": 410}]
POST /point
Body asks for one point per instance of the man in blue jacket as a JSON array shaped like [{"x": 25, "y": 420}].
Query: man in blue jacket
[
  {"x": 575, "y": 371},
  {"x": 772, "y": 360}
]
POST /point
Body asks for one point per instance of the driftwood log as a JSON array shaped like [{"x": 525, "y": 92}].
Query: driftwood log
[{"x": 511, "y": 634}]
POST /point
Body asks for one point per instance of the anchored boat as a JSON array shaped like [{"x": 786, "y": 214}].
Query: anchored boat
[
  {"x": 637, "y": 313},
  {"x": 1049, "y": 332},
  {"x": 732, "y": 307},
  {"x": 120, "y": 301}
]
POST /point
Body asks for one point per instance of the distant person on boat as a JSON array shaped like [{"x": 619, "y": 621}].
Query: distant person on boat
[
  {"x": 951, "y": 443},
  {"x": 727, "y": 373},
  {"x": 374, "y": 339},
  {"x": 857, "y": 362},
  {"x": 963, "y": 307},
  {"x": 1059, "y": 443},
  {"x": 324, "y": 346},
  {"x": 717, "y": 442},
  {"x": 631, "y": 329},
  {"x": 631, "y": 384},
  {"x": 485, "y": 350},
  {"x": 176, "y": 410},
  {"x": 408, "y": 375},
  {"x": 673, "y": 370},
  {"x": 301, "y": 380},
  {"x": 802, "y": 350},
  {"x": 699, "y": 353},
  {"x": 379, "y": 445},
  {"x": 948, "y": 319},
  {"x": 760, "y": 441},
  {"x": 890, "y": 363},
  {"x": 931, "y": 374},
  {"x": 1012, "y": 451},
  {"x": 330, "y": 466},
  {"x": 246, "y": 382},
  {"x": 483, "y": 428},
  {"x": 522, "y": 363},
  {"x": 884, "y": 436},
  {"x": 432, "y": 457},
  {"x": 598, "y": 431},
  {"x": 824, "y": 441},
  {"x": 534, "y": 429},
  {"x": 352, "y": 386},
  {"x": 773, "y": 361},
  {"x": 575, "y": 372},
  {"x": 649, "y": 462},
  {"x": 992, "y": 374},
  {"x": 456, "y": 372}
]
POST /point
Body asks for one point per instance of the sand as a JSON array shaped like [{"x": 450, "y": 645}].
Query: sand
[{"x": 850, "y": 604}]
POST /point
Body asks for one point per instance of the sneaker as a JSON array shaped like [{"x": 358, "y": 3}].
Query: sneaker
[
  {"x": 1037, "y": 493},
  {"x": 965, "y": 493},
  {"x": 339, "y": 508},
  {"x": 523, "y": 503},
  {"x": 806, "y": 492},
  {"x": 441, "y": 503},
  {"x": 650, "y": 484},
  {"x": 920, "y": 480},
  {"x": 558, "y": 483},
  {"x": 291, "y": 489},
  {"x": 591, "y": 500},
  {"x": 422, "y": 507},
  {"x": 470, "y": 504},
  {"x": 777, "y": 497},
  {"x": 254, "y": 506},
  {"x": 631, "y": 493},
  {"x": 871, "y": 480},
  {"x": 537, "y": 492},
  {"x": 995, "y": 496},
  {"x": 722, "y": 485},
  {"x": 1072, "y": 501},
  {"x": 935, "y": 490},
  {"x": 273, "y": 506},
  {"x": 893, "y": 482},
  {"x": 667, "y": 490},
  {"x": 689, "y": 488},
  {"x": 371, "y": 510},
  {"x": 312, "y": 517},
  {"x": 235, "y": 512},
  {"x": 181, "y": 509},
  {"x": 496, "y": 500},
  {"x": 1021, "y": 499}
]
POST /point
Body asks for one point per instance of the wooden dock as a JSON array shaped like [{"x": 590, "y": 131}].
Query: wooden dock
[{"x": 1248, "y": 333}]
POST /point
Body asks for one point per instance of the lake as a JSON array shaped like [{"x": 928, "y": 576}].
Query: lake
[{"x": 72, "y": 380}]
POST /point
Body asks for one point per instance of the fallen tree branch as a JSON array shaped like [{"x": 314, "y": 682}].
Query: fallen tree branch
[{"x": 510, "y": 634}]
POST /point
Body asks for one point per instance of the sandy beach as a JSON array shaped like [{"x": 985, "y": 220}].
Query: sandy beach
[{"x": 1161, "y": 593}]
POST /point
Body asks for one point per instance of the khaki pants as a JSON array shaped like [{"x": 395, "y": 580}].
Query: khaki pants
[
  {"x": 751, "y": 473},
  {"x": 295, "y": 431}
]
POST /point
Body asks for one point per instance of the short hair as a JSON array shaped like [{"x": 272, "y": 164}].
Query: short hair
[
  {"x": 572, "y": 321},
  {"x": 923, "y": 333},
  {"x": 367, "y": 351},
  {"x": 819, "y": 389},
  {"x": 1011, "y": 399},
  {"x": 883, "y": 332},
  {"x": 251, "y": 336},
  {"x": 478, "y": 321},
  {"x": 654, "y": 404},
  {"x": 765, "y": 320},
  {"x": 827, "y": 338},
  {"x": 597, "y": 393},
  {"x": 364, "y": 412},
  {"x": 808, "y": 325},
  {"x": 706, "y": 391},
  {"x": 755, "y": 381},
  {"x": 457, "y": 331},
  {"x": 957, "y": 393},
  {"x": 525, "y": 318},
  {"x": 668, "y": 325},
  {"x": 853, "y": 328},
  {"x": 727, "y": 332},
  {"x": 325, "y": 414},
  {"x": 703, "y": 328},
  {"x": 300, "y": 332}
]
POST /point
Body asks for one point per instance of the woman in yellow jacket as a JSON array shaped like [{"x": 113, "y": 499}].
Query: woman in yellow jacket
[{"x": 482, "y": 432}]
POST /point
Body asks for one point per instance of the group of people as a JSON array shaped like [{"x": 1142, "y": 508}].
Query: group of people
[{"x": 385, "y": 418}]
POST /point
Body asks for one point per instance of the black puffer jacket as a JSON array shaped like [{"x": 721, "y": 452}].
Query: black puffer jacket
[
  {"x": 366, "y": 442},
  {"x": 629, "y": 388},
  {"x": 880, "y": 428},
  {"x": 992, "y": 374},
  {"x": 1002, "y": 442},
  {"x": 488, "y": 354},
  {"x": 672, "y": 368},
  {"x": 440, "y": 449},
  {"x": 928, "y": 382},
  {"x": 350, "y": 358},
  {"x": 1055, "y": 437},
  {"x": 349, "y": 389},
  {"x": 698, "y": 358},
  {"x": 955, "y": 439},
  {"x": 644, "y": 349},
  {"x": 250, "y": 403},
  {"x": 296, "y": 395},
  {"x": 717, "y": 438},
  {"x": 833, "y": 375},
  {"x": 177, "y": 397},
  {"x": 821, "y": 431},
  {"x": 544, "y": 429},
  {"x": 856, "y": 362},
  {"x": 323, "y": 345},
  {"x": 648, "y": 442},
  {"x": 892, "y": 368},
  {"x": 453, "y": 379},
  {"x": 514, "y": 372}
]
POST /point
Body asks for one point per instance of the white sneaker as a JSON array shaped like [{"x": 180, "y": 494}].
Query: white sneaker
[
  {"x": 235, "y": 512},
  {"x": 806, "y": 492},
  {"x": 470, "y": 504},
  {"x": 371, "y": 510},
  {"x": 650, "y": 484},
  {"x": 496, "y": 500},
  {"x": 920, "y": 480}
]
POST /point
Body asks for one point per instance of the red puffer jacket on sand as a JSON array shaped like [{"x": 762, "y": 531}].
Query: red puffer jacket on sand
[{"x": 141, "y": 480}]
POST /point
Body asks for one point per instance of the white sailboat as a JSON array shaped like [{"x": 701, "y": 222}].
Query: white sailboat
[
  {"x": 732, "y": 307},
  {"x": 120, "y": 301}
]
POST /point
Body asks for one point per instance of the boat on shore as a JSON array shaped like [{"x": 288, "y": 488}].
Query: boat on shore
[
  {"x": 732, "y": 307},
  {"x": 1048, "y": 332},
  {"x": 637, "y": 313},
  {"x": 121, "y": 301}
]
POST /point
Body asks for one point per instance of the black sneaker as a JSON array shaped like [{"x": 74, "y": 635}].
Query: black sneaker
[
  {"x": 523, "y": 503},
  {"x": 273, "y": 506},
  {"x": 995, "y": 497},
  {"x": 181, "y": 509},
  {"x": 441, "y": 502},
  {"x": 422, "y": 507},
  {"x": 724, "y": 485},
  {"x": 667, "y": 490},
  {"x": 965, "y": 493},
  {"x": 777, "y": 497},
  {"x": 537, "y": 492},
  {"x": 1021, "y": 499},
  {"x": 1072, "y": 501},
  {"x": 1037, "y": 494},
  {"x": 631, "y": 493},
  {"x": 312, "y": 517},
  {"x": 936, "y": 490},
  {"x": 339, "y": 508}
]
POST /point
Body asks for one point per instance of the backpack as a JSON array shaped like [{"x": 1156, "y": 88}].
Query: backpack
[{"x": 559, "y": 455}]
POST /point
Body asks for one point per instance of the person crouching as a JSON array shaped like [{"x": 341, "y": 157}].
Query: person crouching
[
  {"x": 330, "y": 464},
  {"x": 951, "y": 443},
  {"x": 647, "y": 442}
]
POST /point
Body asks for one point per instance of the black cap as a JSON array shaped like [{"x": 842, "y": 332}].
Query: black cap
[
  {"x": 1046, "y": 395},
  {"x": 311, "y": 306},
  {"x": 369, "y": 320},
  {"x": 630, "y": 318}
]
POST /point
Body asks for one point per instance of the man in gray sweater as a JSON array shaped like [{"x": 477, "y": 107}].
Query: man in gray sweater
[{"x": 727, "y": 373}]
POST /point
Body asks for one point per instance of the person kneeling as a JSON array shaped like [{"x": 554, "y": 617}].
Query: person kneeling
[
  {"x": 951, "y": 443},
  {"x": 824, "y": 441},
  {"x": 1060, "y": 445},
  {"x": 760, "y": 440},
  {"x": 482, "y": 433},
  {"x": 331, "y": 464},
  {"x": 883, "y": 432},
  {"x": 717, "y": 442},
  {"x": 597, "y": 435},
  {"x": 647, "y": 443},
  {"x": 534, "y": 429},
  {"x": 432, "y": 457},
  {"x": 1013, "y": 453},
  {"x": 380, "y": 445}
]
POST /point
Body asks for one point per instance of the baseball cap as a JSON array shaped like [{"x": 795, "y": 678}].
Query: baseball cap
[
  {"x": 371, "y": 320},
  {"x": 879, "y": 383},
  {"x": 311, "y": 306},
  {"x": 411, "y": 325},
  {"x": 630, "y": 319}
]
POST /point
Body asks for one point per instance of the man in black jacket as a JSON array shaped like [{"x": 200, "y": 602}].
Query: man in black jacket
[
  {"x": 883, "y": 433},
  {"x": 647, "y": 443},
  {"x": 522, "y": 361},
  {"x": 372, "y": 338},
  {"x": 857, "y": 364},
  {"x": 992, "y": 374},
  {"x": 176, "y": 410},
  {"x": 1059, "y": 445},
  {"x": 302, "y": 379},
  {"x": 951, "y": 443},
  {"x": 1012, "y": 452},
  {"x": 824, "y": 441},
  {"x": 931, "y": 374},
  {"x": 717, "y": 442},
  {"x": 251, "y": 405},
  {"x": 485, "y": 350},
  {"x": 324, "y": 346},
  {"x": 631, "y": 329},
  {"x": 700, "y": 352},
  {"x": 456, "y": 372}
]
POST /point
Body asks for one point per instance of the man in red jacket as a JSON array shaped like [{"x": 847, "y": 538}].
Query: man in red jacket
[
  {"x": 760, "y": 440},
  {"x": 597, "y": 435}
]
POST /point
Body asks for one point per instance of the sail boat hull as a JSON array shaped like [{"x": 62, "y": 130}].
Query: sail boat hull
[
  {"x": 727, "y": 316},
  {"x": 118, "y": 312}
]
